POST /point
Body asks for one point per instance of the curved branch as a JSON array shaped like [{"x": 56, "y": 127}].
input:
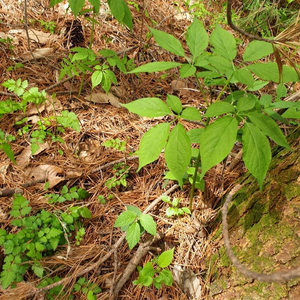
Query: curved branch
[
  {"x": 241, "y": 31},
  {"x": 273, "y": 277}
]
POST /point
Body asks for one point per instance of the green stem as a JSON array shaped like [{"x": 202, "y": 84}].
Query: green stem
[
  {"x": 223, "y": 89},
  {"x": 194, "y": 181},
  {"x": 81, "y": 84},
  {"x": 92, "y": 32},
  {"x": 202, "y": 90}
]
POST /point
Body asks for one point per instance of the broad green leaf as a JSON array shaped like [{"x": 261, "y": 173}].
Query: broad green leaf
[
  {"x": 156, "y": 67},
  {"x": 178, "y": 152},
  {"x": 148, "y": 269},
  {"x": 257, "y": 85},
  {"x": 219, "y": 108},
  {"x": 76, "y": 6},
  {"x": 7, "y": 278},
  {"x": 196, "y": 38},
  {"x": 245, "y": 103},
  {"x": 106, "y": 83},
  {"x": 133, "y": 235},
  {"x": 244, "y": 76},
  {"x": 165, "y": 258},
  {"x": 54, "y": 2},
  {"x": 292, "y": 113},
  {"x": 256, "y": 152},
  {"x": 168, "y": 42},
  {"x": 194, "y": 135},
  {"x": 85, "y": 213},
  {"x": 54, "y": 232},
  {"x": 152, "y": 143},
  {"x": 96, "y": 78},
  {"x": 187, "y": 70},
  {"x": 217, "y": 141},
  {"x": 7, "y": 150},
  {"x": 135, "y": 209},
  {"x": 125, "y": 218},
  {"x": 269, "y": 71},
  {"x": 96, "y": 5},
  {"x": 166, "y": 277},
  {"x": 127, "y": 19},
  {"x": 175, "y": 103},
  {"x": 148, "y": 223},
  {"x": 148, "y": 107},
  {"x": 281, "y": 91},
  {"x": 269, "y": 127},
  {"x": 222, "y": 65},
  {"x": 256, "y": 50},
  {"x": 223, "y": 42},
  {"x": 191, "y": 113},
  {"x": 265, "y": 100},
  {"x": 117, "y": 9}
]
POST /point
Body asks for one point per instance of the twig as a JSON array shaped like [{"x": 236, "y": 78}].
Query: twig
[{"x": 273, "y": 277}]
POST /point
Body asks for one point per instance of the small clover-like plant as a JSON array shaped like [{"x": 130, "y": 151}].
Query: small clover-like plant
[
  {"x": 87, "y": 288},
  {"x": 116, "y": 144},
  {"x": 174, "y": 209},
  {"x": 121, "y": 172},
  {"x": 155, "y": 272},
  {"x": 67, "y": 195},
  {"x": 135, "y": 224}
]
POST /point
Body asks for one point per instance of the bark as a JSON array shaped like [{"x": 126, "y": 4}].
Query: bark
[{"x": 264, "y": 231}]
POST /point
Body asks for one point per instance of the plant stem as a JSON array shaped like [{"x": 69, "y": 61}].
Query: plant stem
[
  {"x": 194, "y": 181},
  {"x": 202, "y": 90}
]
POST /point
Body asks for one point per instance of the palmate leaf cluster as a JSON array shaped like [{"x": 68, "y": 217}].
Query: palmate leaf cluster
[{"x": 241, "y": 116}]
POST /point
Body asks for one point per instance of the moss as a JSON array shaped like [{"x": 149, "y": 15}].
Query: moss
[
  {"x": 224, "y": 259},
  {"x": 291, "y": 191}
]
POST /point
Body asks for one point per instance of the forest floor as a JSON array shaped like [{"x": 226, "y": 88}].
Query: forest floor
[{"x": 83, "y": 161}]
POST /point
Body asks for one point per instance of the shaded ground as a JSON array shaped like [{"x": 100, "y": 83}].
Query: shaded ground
[{"x": 84, "y": 155}]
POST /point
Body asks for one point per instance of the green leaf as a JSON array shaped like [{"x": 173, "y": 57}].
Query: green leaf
[
  {"x": 221, "y": 65},
  {"x": 135, "y": 209},
  {"x": 168, "y": 42},
  {"x": 117, "y": 9},
  {"x": 148, "y": 223},
  {"x": 223, "y": 42},
  {"x": 175, "y": 103},
  {"x": 269, "y": 127},
  {"x": 165, "y": 258},
  {"x": 54, "y": 232},
  {"x": 152, "y": 143},
  {"x": 256, "y": 50},
  {"x": 191, "y": 113},
  {"x": 7, "y": 150},
  {"x": 217, "y": 141},
  {"x": 38, "y": 270},
  {"x": 85, "y": 213},
  {"x": 125, "y": 218},
  {"x": 106, "y": 83},
  {"x": 133, "y": 235},
  {"x": 292, "y": 113},
  {"x": 281, "y": 91},
  {"x": 245, "y": 103},
  {"x": 7, "y": 278},
  {"x": 194, "y": 135},
  {"x": 265, "y": 100},
  {"x": 257, "y": 85},
  {"x": 196, "y": 38},
  {"x": 256, "y": 152},
  {"x": 269, "y": 71},
  {"x": 76, "y": 6},
  {"x": 186, "y": 70},
  {"x": 8, "y": 246},
  {"x": 178, "y": 152},
  {"x": 155, "y": 67},
  {"x": 148, "y": 107},
  {"x": 219, "y": 108},
  {"x": 127, "y": 19},
  {"x": 96, "y": 78},
  {"x": 244, "y": 76},
  {"x": 166, "y": 277}
]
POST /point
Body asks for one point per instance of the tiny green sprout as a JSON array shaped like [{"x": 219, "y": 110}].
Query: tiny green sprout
[
  {"x": 175, "y": 210},
  {"x": 101, "y": 199}
]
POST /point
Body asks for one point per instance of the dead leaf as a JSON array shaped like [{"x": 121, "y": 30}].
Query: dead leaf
[
  {"x": 42, "y": 52},
  {"x": 50, "y": 173},
  {"x": 103, "y": 98},
  {"x": 23, "y": 159},
  {"x": 180, "y": 86}
]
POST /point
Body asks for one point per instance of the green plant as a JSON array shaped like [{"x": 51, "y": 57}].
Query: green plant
[
  {"x": 30, "y": 237},
  {"x": 48, "y": 25},
  {"x": 135, "y": 224},
  {"x": 116, "y": 144},
  {"x": 240, "y": 116},
  {"x": 155, "y": 272},
  {"x": 5, "y": 146},
  {"x": 121, "y": 172},
  {"x": 87, "y": 288},
  {"x": 67, "y": 195},
  {"x": 175, "y": 210}
]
